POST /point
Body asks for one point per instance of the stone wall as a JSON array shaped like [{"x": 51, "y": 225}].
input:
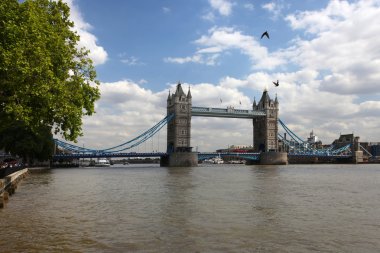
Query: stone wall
[
  {"x": 274, "y": 158},
  {"x": 8, "y": 185},
  {"x": 183, "y": 159}
]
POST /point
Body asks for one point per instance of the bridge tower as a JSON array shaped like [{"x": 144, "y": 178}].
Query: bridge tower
[
  {"x": 179, "y": 130},
  {"x": 265, "y": 131}
]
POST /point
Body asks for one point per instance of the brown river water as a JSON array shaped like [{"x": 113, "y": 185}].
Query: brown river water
[{"x": 216, "y": 208}]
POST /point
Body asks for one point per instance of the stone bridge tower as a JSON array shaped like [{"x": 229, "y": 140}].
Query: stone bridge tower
[
  {"x": 179, "y": 131},
  {"x": 265, "y": 129}
]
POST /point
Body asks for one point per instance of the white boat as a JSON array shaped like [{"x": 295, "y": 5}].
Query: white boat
[
  {"x": 208, "y": 161},
  {"x": 215, "y": 160},
  {"x": 218, "y": 160},
  {"x": 102, "y": 162}
]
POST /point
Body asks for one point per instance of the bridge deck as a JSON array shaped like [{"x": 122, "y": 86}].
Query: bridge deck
[
  {"x": 228, "y": 112},
  {"x": 200, "y": 155},
  {"x": 148, "y": 154}
]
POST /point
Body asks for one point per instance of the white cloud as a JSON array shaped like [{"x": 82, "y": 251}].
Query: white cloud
[
  {"x": 166, "y": 9},
  {"x": 87, "y": 39},
  {"x": 274, "y": 8},
  {"x": 131, "y": 60},
  {"x": 224, "y": 7},
  {"x": 304, "y": 106},
  {"x": 209, "y": 16},
  {"x": 124, "y": 111},
  {"x": 209, "y": 60},
  {"x": 324, "y": 20},
  {"x": 269, "y": 6},
  {"x": 249, "y": 6},
  {"x": 345, "y": 44},
  {"x": 224, "y": 39}
]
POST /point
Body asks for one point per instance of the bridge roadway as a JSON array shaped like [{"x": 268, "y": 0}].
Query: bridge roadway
[
  {"x": 201, "y": 156},
  {"x": 228, "y": 112}
]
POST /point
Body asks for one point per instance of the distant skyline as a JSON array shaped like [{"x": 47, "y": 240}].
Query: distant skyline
[{"x": 325, "y": 55}]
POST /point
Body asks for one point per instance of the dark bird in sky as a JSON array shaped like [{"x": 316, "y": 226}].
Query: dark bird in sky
[
  {"x": 276, "y": 83},
  {"x": 265, "y": 34}
]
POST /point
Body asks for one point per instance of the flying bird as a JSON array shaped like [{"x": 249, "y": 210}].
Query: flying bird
[
  {"x": 265, "y": 34},
  {"x": 276, "y": 83}
]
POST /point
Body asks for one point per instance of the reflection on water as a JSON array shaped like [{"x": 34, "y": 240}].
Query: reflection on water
[{"x": 224, "y": 208}]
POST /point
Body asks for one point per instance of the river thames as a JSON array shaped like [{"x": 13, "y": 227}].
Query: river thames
[{"x": 224, "y": 208}]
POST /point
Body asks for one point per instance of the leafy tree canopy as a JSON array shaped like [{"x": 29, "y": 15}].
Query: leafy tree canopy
[
  {"x": 18, "y": 139},
  {"x": 46, "y": 80}
]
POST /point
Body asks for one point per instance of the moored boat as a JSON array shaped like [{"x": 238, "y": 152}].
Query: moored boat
[{"x": 102, "y": 162}]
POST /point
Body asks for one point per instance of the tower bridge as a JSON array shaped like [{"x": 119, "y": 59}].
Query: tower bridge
[
  {"x": 266, "y": 139},
  {"x": 264, "y": 116}
]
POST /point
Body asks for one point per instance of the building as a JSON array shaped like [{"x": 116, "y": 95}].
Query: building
[
  {"x": 313, "y": 141},
  {"x": 236, "y": 149},
  {"x": 345, "y": 139},
  {"x": 374, "y": 148}
]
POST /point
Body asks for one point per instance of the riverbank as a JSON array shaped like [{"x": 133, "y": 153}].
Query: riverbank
[{"x": 8, "y": 185}]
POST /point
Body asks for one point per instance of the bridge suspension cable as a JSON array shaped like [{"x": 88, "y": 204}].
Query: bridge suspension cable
[
  {"x": 121, "y": 147},
  {"x": 298, "y": 146},
  {"x": 290, "y": 132}
]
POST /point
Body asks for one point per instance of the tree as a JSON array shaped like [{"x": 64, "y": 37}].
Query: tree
[
  {"x": 46, "y": 80},
  {"x": 18, "y": 139}
]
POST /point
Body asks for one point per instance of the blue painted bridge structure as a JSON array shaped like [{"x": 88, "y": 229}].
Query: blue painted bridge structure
[
  {"x": 201, "y": 155},
  {"x": 295, "y": 145}
]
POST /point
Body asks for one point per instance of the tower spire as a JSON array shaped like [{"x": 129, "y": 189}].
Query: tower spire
[{"x": 189, "y": 93}]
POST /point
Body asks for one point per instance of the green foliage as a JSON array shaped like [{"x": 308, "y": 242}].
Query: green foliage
[
  {"x": 46, "y": 81},
  {"x": 18, "y": 139}
]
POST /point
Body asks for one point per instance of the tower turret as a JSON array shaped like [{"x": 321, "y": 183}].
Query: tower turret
[{"x": 189, "y": 94}]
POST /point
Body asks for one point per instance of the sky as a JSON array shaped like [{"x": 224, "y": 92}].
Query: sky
[{"x": 325, "y": 54}]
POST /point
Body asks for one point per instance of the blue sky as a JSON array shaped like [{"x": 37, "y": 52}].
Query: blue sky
[
  {"x": 325, "y": 55},
  {"x": 139, "y": 35}
]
